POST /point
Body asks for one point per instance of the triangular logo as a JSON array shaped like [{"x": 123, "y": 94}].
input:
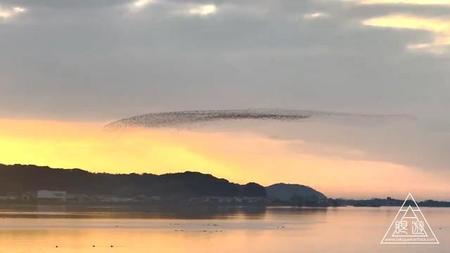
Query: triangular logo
[{"x": 409, "y": 226}]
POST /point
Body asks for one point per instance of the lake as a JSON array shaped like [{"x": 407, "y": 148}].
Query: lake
[{"x": 277, "y": 230}]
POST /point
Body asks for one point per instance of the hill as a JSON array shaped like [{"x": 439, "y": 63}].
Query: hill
[
  {"x": 295, "y": 194},
  {"x": 16, "y": 179}
]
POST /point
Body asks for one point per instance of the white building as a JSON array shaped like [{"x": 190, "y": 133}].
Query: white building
[{"x": 51, "y": 195}]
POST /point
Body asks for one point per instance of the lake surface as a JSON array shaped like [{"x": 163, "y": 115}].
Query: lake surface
[{"x": 277, "y": 230}]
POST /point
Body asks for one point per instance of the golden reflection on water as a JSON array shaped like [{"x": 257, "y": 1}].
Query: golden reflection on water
[{"x": 275, "y": 230}]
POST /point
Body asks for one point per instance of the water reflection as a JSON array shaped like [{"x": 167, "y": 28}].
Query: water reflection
[
  {"x": 129, "y": 212},
  {"x": 281, "y": 230}
]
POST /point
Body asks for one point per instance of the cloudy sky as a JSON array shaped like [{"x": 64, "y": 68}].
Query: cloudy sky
[{"x": 76, "y": 65}]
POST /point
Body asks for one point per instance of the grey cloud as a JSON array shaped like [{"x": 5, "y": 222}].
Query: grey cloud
[
  {"x": 67, "y": 4},
  {"x": 94, "y": 60}
]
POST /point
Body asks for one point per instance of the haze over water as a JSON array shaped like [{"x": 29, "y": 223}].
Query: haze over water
[{"x": 283, "y": 230}]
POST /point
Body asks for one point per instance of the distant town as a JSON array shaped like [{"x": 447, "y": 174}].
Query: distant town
[{"x": 63, "y": 197}]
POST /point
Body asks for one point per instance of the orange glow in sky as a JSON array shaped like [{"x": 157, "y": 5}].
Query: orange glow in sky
[{"x": 239, "y": 157}]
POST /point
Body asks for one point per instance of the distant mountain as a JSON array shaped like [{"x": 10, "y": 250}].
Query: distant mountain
[
  {"x": 295, "y": 194},
  {"x": 20, "y": 182},
  {"x": 377, "y": 202},
  {"x": 29, "y": 178}
]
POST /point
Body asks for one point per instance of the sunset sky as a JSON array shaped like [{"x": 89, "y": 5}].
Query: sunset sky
[{"x": 67, "y": 68}]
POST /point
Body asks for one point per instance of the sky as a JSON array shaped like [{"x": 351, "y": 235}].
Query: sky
[{"x": 67, "y": 68}]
